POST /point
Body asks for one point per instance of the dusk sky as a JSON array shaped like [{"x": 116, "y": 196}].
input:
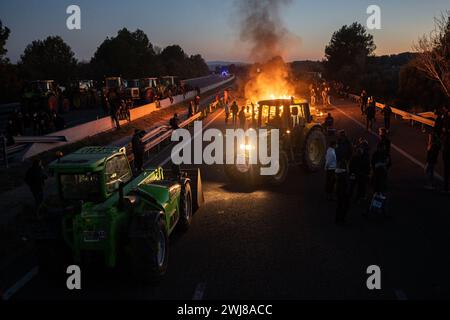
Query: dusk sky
[{"x": 210, "y": 27}]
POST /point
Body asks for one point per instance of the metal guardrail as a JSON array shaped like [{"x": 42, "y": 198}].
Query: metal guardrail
[
  {"x": 39, "y": 139},
  {"x": 419, "y": 118},
  {"x": 155, "y": 137}
]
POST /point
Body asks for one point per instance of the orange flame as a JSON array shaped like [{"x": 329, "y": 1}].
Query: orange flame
[{"x": 269, "y": 81}]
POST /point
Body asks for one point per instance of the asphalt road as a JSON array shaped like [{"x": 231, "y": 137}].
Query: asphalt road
[{"x": 282, "y": 243}]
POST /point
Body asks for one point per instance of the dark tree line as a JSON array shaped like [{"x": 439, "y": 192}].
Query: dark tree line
[
  {"x": 392, "y": 79},
  {"x": 128, "y": 54}
]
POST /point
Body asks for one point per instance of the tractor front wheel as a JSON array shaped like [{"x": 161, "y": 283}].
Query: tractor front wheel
[
  {"x": 150, "y": 253},
  {"x": 279, "y": 178},
  {"x": 314, "y": 150},
  {"x": 186, "y": 208}
]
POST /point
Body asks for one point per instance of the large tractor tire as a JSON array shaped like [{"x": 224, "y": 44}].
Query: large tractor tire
[
  {"x": 186, "y": 208},
  {"x": 150, "y": 252},
  {"x": 280, "y": 177},
  {"x": 314, "y": 150}
]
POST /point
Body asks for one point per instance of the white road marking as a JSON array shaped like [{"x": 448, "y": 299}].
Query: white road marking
[
  {"x": 20, "y": 284},
  {"x": 395, "y": 147},
  {"x": 187, "y": 142},
  {"x": 400, "y": 295},
  {"x": 199, "y": 291}
]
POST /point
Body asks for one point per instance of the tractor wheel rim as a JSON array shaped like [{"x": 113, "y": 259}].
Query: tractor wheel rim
[
  {"x": 161, "y": 248},
  {"x": 314, "y": 151}
]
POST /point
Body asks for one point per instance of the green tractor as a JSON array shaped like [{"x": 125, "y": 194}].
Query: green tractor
[
  {"x": 103, "y": 214},
  {"x": 301, "y": 141}
]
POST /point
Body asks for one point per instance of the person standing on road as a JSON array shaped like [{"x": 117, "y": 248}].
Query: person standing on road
[
  {"x": 330, "y": 168},
  {"x": 227, "y": 112},
  {"x": 234, "y": 111},
  {"x": 363, "y": 102},
  {"x": 114, "y": 102},
  {"x": 434, "y": 146},
  {"x": 35, "y": 179},
  {"x": 342, "y": 192},
  {"x": 384, "y": 141},
  {"x": 380, "y": 165},
  {"x": 138, "y": 150},
  {"x": 370, "y": 114},
  {"x": 344, "y": 148},
  {"x": 387, "y": 112},
  {"x": 363, "y": 173},
  {"x": 242, "y": 118}
]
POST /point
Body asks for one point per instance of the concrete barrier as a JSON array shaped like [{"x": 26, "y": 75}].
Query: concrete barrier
[{"x": 105, "y": 124}]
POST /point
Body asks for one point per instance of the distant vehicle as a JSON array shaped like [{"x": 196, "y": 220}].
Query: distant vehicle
[
  {"x": 147, "y": 88},
  {"x": 132, "y": 90},
  {"x": 45, "y": 87},
  {"x": 115, "y": 83},
  {"x": 170, "y": 80},
  {"x": 40, "y": 95},
  {"x": 85, "y": 85}
]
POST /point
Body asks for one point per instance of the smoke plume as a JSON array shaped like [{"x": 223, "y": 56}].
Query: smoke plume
[{"x": 262, "y": 28}]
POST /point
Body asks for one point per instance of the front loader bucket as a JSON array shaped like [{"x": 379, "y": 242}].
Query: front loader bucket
[{"x": 198, "y": 198}]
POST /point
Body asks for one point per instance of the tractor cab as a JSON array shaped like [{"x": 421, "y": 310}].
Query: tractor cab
[
  {"x": 170, "y": 81},
  {"x": 285, "y": 114},
  {"x": 91, "y": 174},
  {"x": 132, "y": 89},
  {"x": 115, "y": 83},
  {"x": 44, "y": 87}
]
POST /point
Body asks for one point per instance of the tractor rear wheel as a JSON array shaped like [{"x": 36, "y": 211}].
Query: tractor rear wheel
[
  {"x": 314, "y": 150},
  {"x": 186, "y": 208},
  {"x": 150, "y": 253}
]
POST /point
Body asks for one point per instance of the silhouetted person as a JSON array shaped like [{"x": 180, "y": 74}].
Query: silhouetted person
[
  {"x": 35, "y": 179},
  {"x": 434, "y": 146},
  {"x": 344, "y": 148},
  {"x": 342, "y": 192},
  {"x": 384, "y": 140},
  {"x": 174, "y": 122},
  {"x": 138, "y": 149},
  {"x": 234, "y": 112},
  {"x": 387, "y": 112},
  {"x": 242, "y": 118},
  {"x": 370, "y": 115},
  {"x": 330, "y": 169},
  {"x": 114, "y": 106},
  {"x": 380, "y": 165},
  {"x": 227, "y": 113},
  {"x": 363, "y": 102},
  {"x": 329, "y": 122}
]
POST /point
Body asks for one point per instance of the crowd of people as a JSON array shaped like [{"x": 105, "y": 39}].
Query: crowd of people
[
  {"x": 351, "y": 168},
  {"x": 320, "y": 94}
]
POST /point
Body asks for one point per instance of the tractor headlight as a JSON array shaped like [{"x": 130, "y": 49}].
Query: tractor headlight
[{"x": 247, "y": 147}]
